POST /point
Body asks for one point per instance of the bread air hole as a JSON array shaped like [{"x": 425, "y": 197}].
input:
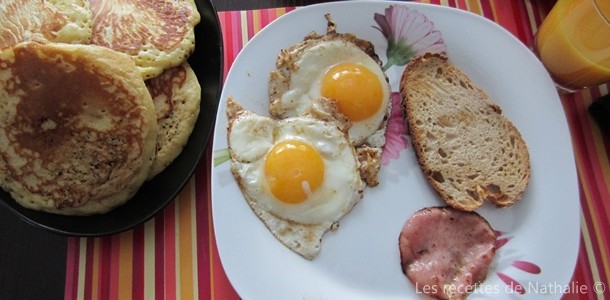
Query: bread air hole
[
  {"x": 439, "y": 73},
  {"x": 438, "y": 177},
  {"x": 450, "y": 136},
  {"x": 473, "y": 194},
  {"x": 442, "y": 152},
  {"x": 493, "y": 189},
  {"x": 446, "y": 121}
]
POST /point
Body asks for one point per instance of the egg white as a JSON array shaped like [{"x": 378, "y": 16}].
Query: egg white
[
  {"x": 306, "y": 72},
  {"x": 252, "y": 136}
]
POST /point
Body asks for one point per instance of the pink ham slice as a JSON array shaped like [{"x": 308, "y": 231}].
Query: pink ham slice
[{"x": 446, "y": 252}]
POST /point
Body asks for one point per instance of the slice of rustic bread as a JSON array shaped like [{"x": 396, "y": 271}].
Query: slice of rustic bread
[{"x": 467, "y": 149}]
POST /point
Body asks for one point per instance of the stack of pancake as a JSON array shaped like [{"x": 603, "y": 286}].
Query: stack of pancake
[{"x": 96, "y": 97}]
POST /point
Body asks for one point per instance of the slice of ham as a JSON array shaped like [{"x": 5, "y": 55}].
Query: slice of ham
[{"x": 446, "y": 252}]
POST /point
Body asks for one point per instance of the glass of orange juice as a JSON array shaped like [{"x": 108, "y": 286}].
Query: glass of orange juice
[{"x": 573, "y": 43}]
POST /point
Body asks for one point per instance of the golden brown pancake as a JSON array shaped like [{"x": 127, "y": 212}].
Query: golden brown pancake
[
  {"x": 157, "y": 34},
  {"x": 65, "y": 21},
  {"x": 77, "y": 127},
  {"x": 176, "y": 94}
]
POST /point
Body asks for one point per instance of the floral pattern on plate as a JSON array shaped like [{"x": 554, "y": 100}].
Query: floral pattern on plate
[
  {"x": 409, "y": 33},
  {"x": 508, "y": 263}
]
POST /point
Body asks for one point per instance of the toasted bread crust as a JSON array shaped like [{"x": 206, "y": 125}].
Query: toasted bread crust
[{"x": 467, "y": 149}]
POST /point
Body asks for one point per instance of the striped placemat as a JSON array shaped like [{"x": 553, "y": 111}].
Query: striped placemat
[{"x": 174, "y": 255}]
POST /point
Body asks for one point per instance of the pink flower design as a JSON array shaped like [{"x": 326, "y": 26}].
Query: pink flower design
[
  {"x": 396, "y": 133},
  {"x": 514, "y": 285},
  {"x": 526, "y": 266},
  {"x": 409, "y": 33},
  {"x": 501, "y": 241}
]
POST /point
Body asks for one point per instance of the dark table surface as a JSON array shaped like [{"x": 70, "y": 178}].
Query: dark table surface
[{"x": 32, "y": 260}]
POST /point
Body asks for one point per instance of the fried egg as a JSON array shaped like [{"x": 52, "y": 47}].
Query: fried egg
[
  {"x": 340, "y": 67},
  {"x": 300, "y": 175}
]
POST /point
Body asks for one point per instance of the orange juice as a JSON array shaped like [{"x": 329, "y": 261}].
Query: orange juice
[{"x": 573, "y": 43}]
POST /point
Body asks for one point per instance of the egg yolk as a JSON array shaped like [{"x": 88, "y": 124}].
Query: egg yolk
[
  {"x": 355, "y": 88},
  {"x": 293, "y": 170}
]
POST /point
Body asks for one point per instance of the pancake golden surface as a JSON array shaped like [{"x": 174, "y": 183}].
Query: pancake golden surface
[
  {"x": 77, "y": 127},
  {"x": 65, "y": 21},
  {"x": 157, "y": 34},
  {"x": 176, "y": 94}
]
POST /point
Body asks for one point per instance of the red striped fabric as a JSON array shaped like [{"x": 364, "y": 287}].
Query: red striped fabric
[
  {"x": 174, "y": 255},
  {"x": 591, "y": 153}
]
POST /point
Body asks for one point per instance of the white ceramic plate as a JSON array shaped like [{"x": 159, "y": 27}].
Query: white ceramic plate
[{"x": 361, "y": 259}]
